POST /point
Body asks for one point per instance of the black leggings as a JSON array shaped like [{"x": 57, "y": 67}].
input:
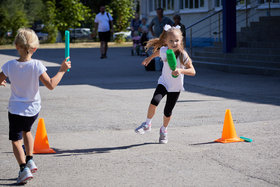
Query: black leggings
[{"x": 171, "y": 100}]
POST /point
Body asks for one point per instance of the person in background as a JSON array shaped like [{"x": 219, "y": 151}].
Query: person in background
[
  {"x": 156, "y": 28},
  {"x": 104, "y": 27},
  {"x": 144, "y": 31},
  {"x": 135, "y": 23},
  {"x": 157, "y": 24},
  {"x": 177, "y": 21}
]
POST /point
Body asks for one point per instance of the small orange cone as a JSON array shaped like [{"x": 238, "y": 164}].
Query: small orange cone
[
  {"x": 41, "y": 143},
  {"x": 229, "y": 133}
]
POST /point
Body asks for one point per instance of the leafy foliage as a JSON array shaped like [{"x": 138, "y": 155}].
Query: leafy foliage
[
  {"x": 122, "y": 11},
  {"x": 13, "y": 16},
  {"x": 59, "y": 15},
  {"x": 49, "y": 20},
  {"x": 70, "y": 14}
]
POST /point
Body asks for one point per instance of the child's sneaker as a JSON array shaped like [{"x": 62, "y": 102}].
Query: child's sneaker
[
  {"x": 163, "y": 137},
  {"x": 143, "y": 128},
  {"x": 31, "y": 165},
  {"x": 24, "y": 176}
]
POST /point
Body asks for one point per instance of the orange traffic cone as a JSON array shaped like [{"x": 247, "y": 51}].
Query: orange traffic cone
[
  {"x": 229, "y": 133},
  {"x": 41, "y": 143}
]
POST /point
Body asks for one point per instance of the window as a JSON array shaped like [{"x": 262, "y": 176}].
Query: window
[
  {"x": 151, "y": 8},
  {"x": 267, "y": 1},
  {"x": 165, "y": 4},
  {"x": 218, "y": 3},
  {"x": 192, "y": 4}
]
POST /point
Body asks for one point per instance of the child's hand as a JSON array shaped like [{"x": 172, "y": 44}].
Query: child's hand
[
  {"x": 177, "y": 72},
  {"x": 3, "y": 83},
  {"x": 145, "y": 62},
  {"x": 65, "y": 65}
]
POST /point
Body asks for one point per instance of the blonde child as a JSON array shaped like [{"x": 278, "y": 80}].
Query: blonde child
[
  {"x": 25, "y": 102},
  {"x": 171, "y": 38}
]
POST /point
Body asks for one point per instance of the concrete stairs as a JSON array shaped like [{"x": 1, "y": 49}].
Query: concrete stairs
[{"x": 258, "y": 50}]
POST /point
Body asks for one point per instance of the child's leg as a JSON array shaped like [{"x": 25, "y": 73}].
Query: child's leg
[
  {"x": 151, "y": 111},
  {"x": 18, "y": 151},
  {"x": 159, "y": 93},
  {"x": 28, "y": 143},
  {"x": 166, "y": 121},
  {"x": 171, "y": 100}
]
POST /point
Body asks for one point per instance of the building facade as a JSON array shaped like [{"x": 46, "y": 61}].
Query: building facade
[{"x": 191, "y": 11}]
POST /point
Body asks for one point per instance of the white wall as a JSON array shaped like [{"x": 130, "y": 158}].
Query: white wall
[{"x": 211, "y": 25}]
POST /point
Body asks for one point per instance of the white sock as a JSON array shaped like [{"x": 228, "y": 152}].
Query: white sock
[
  {"x": 163, "y": 129},
  {"x": 148, "y": 121}
]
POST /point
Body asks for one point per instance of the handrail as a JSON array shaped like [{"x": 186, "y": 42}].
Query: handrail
[
  {"x": 218, "y": 12},
  {"x": 199, "y": 21},
  {"x": 209, "y": 16},
  {"x": 204, "y": 19}
]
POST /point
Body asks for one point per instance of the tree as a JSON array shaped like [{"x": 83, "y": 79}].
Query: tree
[
  {"x": 122, "y": 11},
  {"x": 13, "y": 16},
  {"x": 49, "y": 20},
  {"x": 70, "y": 14},
  {"x": 33, "y": 9}
]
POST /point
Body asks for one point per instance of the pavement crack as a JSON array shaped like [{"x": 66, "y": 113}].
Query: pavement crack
[{"x": 239, "y": 171}]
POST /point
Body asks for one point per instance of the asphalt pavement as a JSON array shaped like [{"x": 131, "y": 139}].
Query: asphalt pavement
[{"x": 91, "y": 116}]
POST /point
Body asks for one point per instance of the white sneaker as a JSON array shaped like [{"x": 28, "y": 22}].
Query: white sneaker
[
  {"x": 31, "y": 165},
  {"x": 24, "y": 176},
  {"x": 163, "y": 137},
  {"x": 143, "y": 128}
]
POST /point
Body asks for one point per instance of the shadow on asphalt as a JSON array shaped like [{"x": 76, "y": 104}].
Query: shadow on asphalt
[
  {"x": 12, "y": 184},
  {"x": 204, "y": 143},
  {"x": 123, "y": 71},
  {"x": 97, "y": 150}
]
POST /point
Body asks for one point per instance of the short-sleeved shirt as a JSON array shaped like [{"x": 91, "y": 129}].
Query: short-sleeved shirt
[
  {"x": 171, "y": 84},
  {"x": 144, "y": 28},
  {"x": 158, "y": 26},
  {"x": 25, "y": 98},
  {"x": 135, "y": 23},
  {"x": 103, "y": 21}
]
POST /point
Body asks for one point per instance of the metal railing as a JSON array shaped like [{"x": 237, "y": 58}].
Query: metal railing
[
  {"x": 190, "y": 28},
  {"x": 216, "y": 31}
]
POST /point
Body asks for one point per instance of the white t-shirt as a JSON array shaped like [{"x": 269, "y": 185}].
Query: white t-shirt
[
  {"x": 25, "y": 99},
  {"x": 171, "y": 84},
  {"x": 103, "y": 21}
]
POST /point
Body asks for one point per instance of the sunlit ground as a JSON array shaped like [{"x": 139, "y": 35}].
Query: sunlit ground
[{"x": 74, "y": 45}]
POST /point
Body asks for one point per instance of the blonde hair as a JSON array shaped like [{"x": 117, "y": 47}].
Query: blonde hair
[
  {"x": 157, "y": 43},
  {"x": 26, "y": 39}
]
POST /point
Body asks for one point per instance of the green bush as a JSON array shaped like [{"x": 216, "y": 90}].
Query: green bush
[{"x": 120, "y": 38}]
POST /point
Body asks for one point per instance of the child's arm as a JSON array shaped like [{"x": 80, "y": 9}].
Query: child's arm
[
  {"x": 2, "y": 79},
  {"x": 51, "y": 83},
  {"x": 147, "y": 60},
  {"x": 190, "y": 71}
]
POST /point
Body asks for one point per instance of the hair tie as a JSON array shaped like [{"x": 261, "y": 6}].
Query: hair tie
[
  {"x": 178, "y": 27},
  {"x": 167, "y": 27}
]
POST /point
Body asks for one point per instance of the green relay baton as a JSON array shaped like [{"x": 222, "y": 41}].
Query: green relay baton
[{"x": 171, "y": 59}]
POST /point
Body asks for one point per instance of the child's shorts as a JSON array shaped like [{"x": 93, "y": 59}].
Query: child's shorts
[{"x": 18, "y": 123}]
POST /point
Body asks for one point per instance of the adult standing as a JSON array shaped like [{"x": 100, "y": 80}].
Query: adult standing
[
  {"x": 177, "y": 21},
  {"x": 156, "y": 28},
  {"x": 135, "y": 23},
  {"x": 104, "y": 27},
  {"x": 157, "y": 24}
]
